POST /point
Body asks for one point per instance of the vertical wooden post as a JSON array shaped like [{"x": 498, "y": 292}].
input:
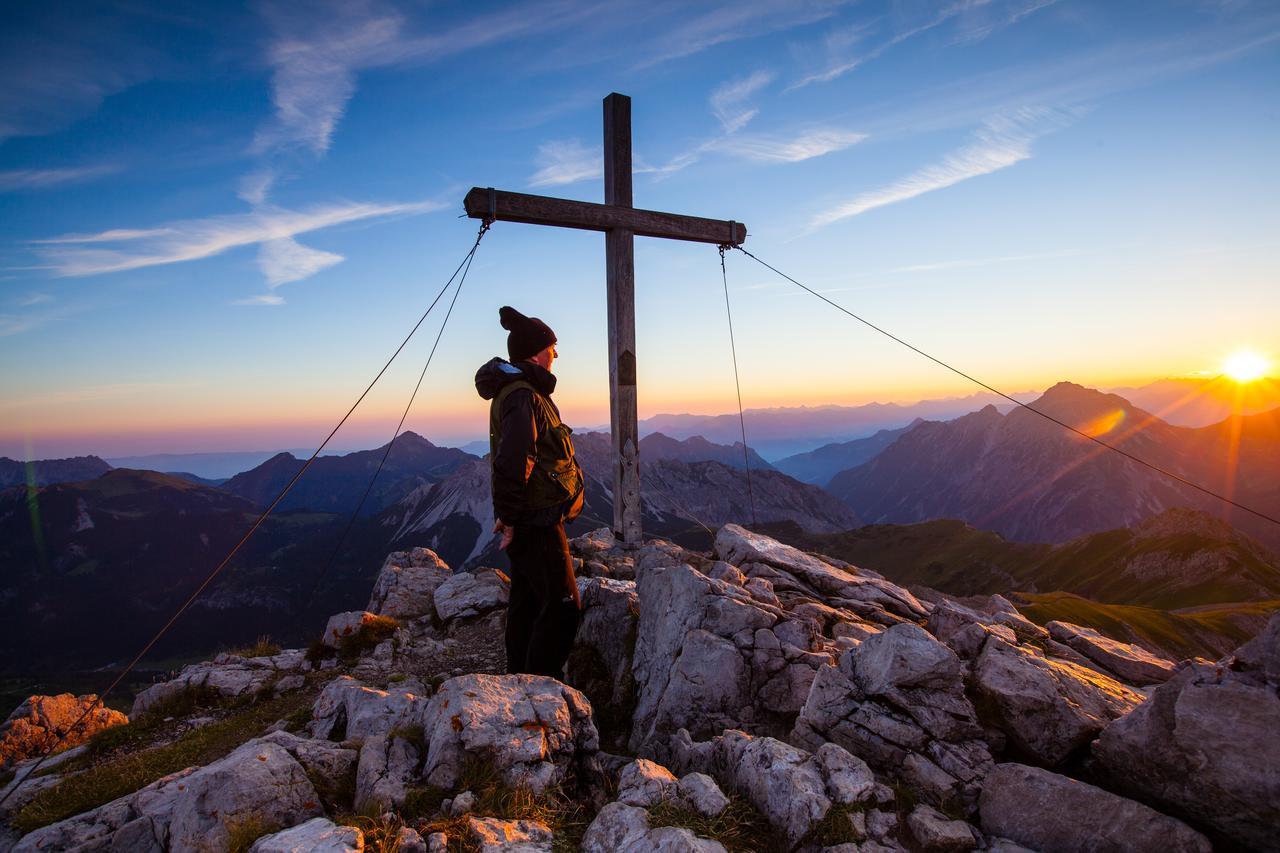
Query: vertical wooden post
[{"x": 620, "y": 279}]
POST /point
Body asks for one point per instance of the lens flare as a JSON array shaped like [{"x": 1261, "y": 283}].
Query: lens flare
[{"x": 1245, "y": 366}]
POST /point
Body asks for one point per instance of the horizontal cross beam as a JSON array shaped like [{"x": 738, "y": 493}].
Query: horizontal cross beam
[{"x": 485, "y": 203}]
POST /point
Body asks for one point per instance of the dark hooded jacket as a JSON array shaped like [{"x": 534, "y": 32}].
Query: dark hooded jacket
[{"x": 515, "y": 447}]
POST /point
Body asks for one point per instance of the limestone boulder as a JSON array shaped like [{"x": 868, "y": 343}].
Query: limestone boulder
[
  {"x": 39, "y": 721},
  {"x": 898, "y": 701},
  {"x": 794, "y": 789},
  {"x": 190, "y": 811},
  {"x": 495, "y": 835},
  {"x": 231, "y": 676},
  {"x": 469, "y": 594},
  {"x": 318, "y": 835},
  {"x": 600, "y": 664},
  {"x": 1205, "y": 744},
  {"x": 328, "y": 765},
  {"x": 620, "y": 828},
  {"x": 738, "y": 546},
  {"x": 709, "y": 656},
  {"x": 343, "y": 625},
  {"x": 533, "y": 729},
  {"x": 348, "y": 709},
  {"x": 937, "y": 833},
  {"x": 644, "y": 783},
  {"x": 701, "y": 793},
  {"x": 1047, "y": 708},
  {"x": 388, "y": 764},
  {"x": 1055, "y": 814},
  {"x": 407, "y": 582},
  {"x": 1131, "y": 664}
]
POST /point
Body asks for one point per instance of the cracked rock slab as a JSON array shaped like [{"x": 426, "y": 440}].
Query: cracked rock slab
[{"x": 532, "y": 728}]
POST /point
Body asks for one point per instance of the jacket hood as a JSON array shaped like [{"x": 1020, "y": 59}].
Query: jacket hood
[{"x": 497, "y": 373}]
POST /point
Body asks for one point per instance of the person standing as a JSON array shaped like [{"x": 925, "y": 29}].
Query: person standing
[{"x": 537, "y": 488}]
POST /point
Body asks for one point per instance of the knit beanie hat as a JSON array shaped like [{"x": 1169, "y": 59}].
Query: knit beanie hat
[{"x": 528, "y": 335}]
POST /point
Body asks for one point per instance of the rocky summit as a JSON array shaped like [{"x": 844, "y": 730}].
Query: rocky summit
[{"x": 753, "y": 697}]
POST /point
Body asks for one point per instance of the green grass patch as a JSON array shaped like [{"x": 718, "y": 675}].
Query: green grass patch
[
  {"x": 566, "y": 815},
  {"x": 367, "y": 637},
  {"x": 263, "y": 647},
  {"x": 243, "y": 831},
  {"x": 740, "y": 827},
  {"x": 1208, "y": 632},
  {"x": 129, "y": 767},
  {"x": 381, "y": 833}
]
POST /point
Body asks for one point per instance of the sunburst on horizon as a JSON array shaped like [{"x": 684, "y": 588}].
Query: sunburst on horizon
[{"x": 1245, "y": 365}]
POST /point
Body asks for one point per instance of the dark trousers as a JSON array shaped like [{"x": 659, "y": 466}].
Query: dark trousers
[{"x": 542, "y": 617}]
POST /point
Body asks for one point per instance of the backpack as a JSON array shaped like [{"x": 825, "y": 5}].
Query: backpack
[{"x": 556, "y": 479}]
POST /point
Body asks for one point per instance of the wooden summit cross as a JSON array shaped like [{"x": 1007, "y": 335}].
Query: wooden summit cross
[{"x": 620, "y": 222}]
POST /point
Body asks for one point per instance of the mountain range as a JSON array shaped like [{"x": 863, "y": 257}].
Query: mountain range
[
  {"x": 336, "y": 483},
  {"x": 90, "y": 566},
  {"x": 687, "y": 485},
  {"x": 1031, "y": 480},
  {"x": 1197, "y": 401},
  {"x": 46, "y": 471},
  {"x": 819, "y": 466},
  {"x": 785, "y": 431}
]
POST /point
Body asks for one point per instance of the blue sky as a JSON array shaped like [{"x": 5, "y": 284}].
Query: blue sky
[{"x": 217, "y": 225}]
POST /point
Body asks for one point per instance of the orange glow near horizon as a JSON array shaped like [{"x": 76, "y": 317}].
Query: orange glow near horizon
[
  {"x": 1103, "y": 424},
  {"x": 1245, "y": 366}
]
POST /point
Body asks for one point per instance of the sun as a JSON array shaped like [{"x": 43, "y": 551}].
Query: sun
[{"x": 1245, "y": 366}]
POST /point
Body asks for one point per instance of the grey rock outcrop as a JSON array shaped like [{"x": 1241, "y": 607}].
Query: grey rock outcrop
[
  {"x": 388, "y": 763},
  {"x": 1055, "y": 814},
  {"x": 231, "y": 676},
  {"x": 600, "y": 664},
  {"x": 708, "y": 657},
  {"x": 531, "y": 728},
  {"x": 620, "y": 828},
  {"x": 495, "y": 835},
  {"x": 39, "y": 721},
  {"x": 468, "y": 594},
  {"x": 645, "y": 783},
  {"x": 740, "y": 547},
  {"x": 1131, "y": 664},
  {"x": 898, "y": 701},
  {"x": 318, "y": 835},
  {"x": 1047, "y": 707},
  {"x": 347, "y": 709},
  {"x": 1206, "y": 744},
  {"x": 406, "y": 585},
  {"x": 934, "y": 831},
  {"x": 190, "y": 811},
  {"x": 794, "y": 789}
]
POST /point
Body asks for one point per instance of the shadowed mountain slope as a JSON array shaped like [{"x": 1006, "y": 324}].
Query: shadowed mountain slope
[
  {"x": 819, "y": 466},
  {"x": 1030, "y": 480},
  {"x": 335, "y": 483},
  {"x": 44, "y": 472}
]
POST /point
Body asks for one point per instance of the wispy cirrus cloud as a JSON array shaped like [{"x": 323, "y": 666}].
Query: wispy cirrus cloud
[
  {"x": 727, "y": 101},
  {"x": 120, "y": 249},
  {"x": 845, "y": 49},
  {"x": 16, "y": 324},
  {"x": 284, "y": 259},
  {"x": 32, "y": 299},
  {"x": 1003, "y": 141},
  {"x": 734, "y": 21},
  {"x": 804, "y": 145},
  {"x": 566, "y": 161},
  {"x": 39, "y": 179},
  {"x": 260, "y": 299}
]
